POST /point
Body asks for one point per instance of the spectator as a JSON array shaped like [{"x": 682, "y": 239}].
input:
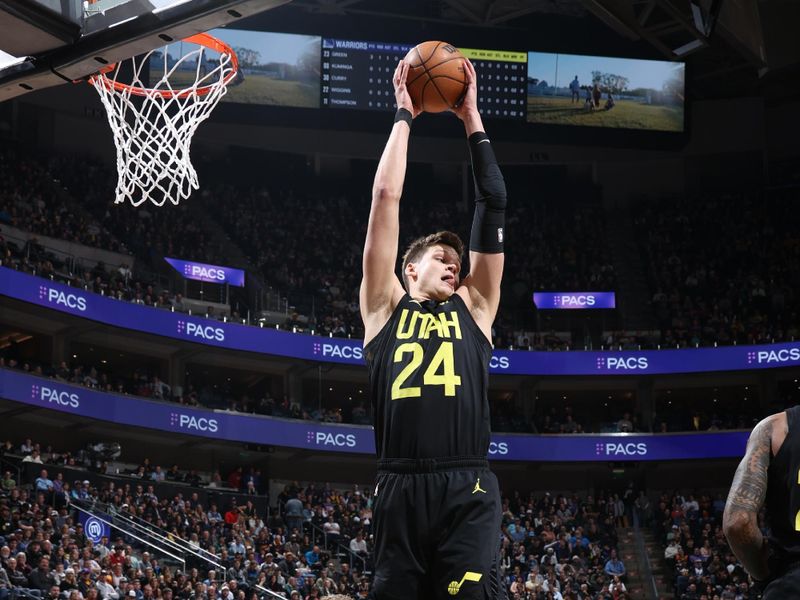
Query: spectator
[
  {"x": 43, "y": 483},
  {"x": 313, "y": 556},
  {"x": 15, "y": 574},
  {"x": 69, "y": 582},
  {"x": 614, "y": 566},
  {"x": 54, "y": 593},
  {"x": 5, "y": 585},
  {"x": 617, "y": 588},
  {"x": 105, "y": 587},
  {"x": 33, "y": 457},
  {"x": 294, "y": 513},
  {"x": 358, "y": 544},
  {"x": 332, "y": 531},
  {"x": 8, "y": 483},
  {"x": 40, "y": 578},
  {"x": 625, "y": 425}
]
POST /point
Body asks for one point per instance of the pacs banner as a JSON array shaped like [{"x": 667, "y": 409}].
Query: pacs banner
[
  {"x": 208, "y": 273},
  {"x": 222, "y": 425},
  {"x": 574, "y": 300},
  {"x": 180, "y": 326}
]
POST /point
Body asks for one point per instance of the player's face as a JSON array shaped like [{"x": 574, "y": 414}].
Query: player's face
[{"x": 438, "y": 272}]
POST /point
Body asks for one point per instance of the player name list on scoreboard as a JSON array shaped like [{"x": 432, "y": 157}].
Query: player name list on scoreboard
[{"x": 358, "y": 74}]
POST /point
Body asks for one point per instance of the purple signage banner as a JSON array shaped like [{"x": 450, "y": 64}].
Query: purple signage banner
[
  {"x": 109, "y": 311},
  {"x": 176, "y": 418},
  {"x": 573, "y": 300},
  {"x": 223, "y": 425},
  {"x": 208, "y": 273},
  {"x": 94, "y": 528}
]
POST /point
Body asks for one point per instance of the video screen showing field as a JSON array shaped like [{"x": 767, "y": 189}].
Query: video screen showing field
[
  {"x": 596, "y": 91},
  {"x": 276, "y": 69}
]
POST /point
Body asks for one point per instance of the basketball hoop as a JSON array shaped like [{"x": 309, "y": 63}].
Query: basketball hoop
[{"x": 153, "y": 125}]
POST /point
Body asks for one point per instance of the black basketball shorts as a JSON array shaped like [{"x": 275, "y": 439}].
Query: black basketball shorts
[{"x": 437, "y": 530}]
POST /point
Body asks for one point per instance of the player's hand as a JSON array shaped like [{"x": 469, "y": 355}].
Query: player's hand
[
  {"x": 469, "y": 104},
  {"x": 401, "y": 95}
]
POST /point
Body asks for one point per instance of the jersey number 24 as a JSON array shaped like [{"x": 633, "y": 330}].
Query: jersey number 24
[{"x": 440, "y": 370}]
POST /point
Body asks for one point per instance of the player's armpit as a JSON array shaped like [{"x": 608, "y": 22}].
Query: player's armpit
[{"x": 483, "y": 288}]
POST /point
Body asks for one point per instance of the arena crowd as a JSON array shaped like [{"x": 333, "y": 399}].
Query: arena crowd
[{"x": 317, "y": 541}]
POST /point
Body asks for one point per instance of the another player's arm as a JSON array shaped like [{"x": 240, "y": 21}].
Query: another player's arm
[
  {"x": 486, "y": 239},
  {"x": 745, "y": 500},
  {"x": 380, "y": 288}
]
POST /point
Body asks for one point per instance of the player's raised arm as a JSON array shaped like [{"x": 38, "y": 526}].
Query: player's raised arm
[
  {"x": 380, "y": 288},
  {"x": 486, "y": 256},
  {"x": 745, "y": 500}
]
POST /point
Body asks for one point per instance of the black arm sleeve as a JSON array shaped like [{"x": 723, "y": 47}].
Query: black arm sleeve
[{"x": 488, "y": 224}]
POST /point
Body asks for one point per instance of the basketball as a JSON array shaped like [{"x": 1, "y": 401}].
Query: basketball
[{"x": 436, "y": 79}]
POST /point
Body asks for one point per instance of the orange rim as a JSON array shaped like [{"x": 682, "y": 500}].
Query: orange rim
[{"x": 201, "y": 39}]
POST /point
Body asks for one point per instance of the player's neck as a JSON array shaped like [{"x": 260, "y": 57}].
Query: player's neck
[{"x": 423, "y": 297}]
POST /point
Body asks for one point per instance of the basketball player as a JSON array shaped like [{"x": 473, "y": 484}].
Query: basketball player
[
  {"x": 768, "y": 477},
  {"x": 437, "y": 505}
]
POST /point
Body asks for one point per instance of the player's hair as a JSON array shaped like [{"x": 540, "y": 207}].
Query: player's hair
[{"x": 418, "y": 247}]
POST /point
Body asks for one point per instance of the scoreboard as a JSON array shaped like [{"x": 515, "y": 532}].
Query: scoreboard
[
  {"x": 338, "y": 74},
  {"x": 358, "y": 75},
  {"x": 502, "y": 81}
]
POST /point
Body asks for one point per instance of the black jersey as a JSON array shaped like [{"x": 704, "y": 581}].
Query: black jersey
[
  {"x": 429, "y": 378},
  {"x": 783, "y": 492}
]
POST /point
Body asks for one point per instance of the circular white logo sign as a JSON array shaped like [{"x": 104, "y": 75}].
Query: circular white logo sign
[{"x": 94, "y": 529}]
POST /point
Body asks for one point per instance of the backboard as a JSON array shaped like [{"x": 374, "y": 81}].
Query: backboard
[{"x": 49, "y": 42}]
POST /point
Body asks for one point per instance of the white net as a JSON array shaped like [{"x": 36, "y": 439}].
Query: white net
[{"x": 153, "y": 123}]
